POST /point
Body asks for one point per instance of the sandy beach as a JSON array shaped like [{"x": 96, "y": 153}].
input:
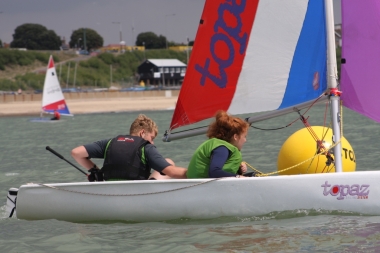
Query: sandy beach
[{"x": 92, "y": 105}]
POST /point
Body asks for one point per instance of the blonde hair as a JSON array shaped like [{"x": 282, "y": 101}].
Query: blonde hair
[
  {"x": 226, "y": 126},
  {"x": 143, "y": 122}
]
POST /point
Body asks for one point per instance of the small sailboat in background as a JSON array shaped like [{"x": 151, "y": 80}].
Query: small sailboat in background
[
  {"x": 248, "y": 56},
  {"x": 52, "y": 96}
]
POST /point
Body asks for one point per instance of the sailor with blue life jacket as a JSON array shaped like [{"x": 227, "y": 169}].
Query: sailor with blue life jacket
[{"x": 128, "y": 157}]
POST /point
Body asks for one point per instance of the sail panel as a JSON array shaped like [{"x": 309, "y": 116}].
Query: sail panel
[
  {"x": 361, "y": 52},
  {"x": 216, "y": 60},
  {"x": 266, "y": 55},
  {"x": 59, "y": 106},
  {"x": 285, "y": 63}
]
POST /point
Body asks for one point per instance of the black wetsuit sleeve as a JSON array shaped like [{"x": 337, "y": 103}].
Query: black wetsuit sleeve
[
  {"x": 154, "y": 159},
  {"x": 96, "y": 149},
  {"x": 219, "y": 157}
]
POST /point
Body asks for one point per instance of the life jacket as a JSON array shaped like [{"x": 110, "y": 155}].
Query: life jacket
[
  {"x": 57, "y": 115},
  {"x": 125, "y": 159},
  {"x": 200, "y": 161}
]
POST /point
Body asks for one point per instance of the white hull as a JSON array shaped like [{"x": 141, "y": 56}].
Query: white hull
[
  {"x": 45, "y": 120},
  {"x": 174, "y": 199}
]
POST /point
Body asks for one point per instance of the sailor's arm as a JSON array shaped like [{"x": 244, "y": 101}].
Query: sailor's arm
[
  {"x": 175, "y": 172},
  {"x": 81, "y": 156}
]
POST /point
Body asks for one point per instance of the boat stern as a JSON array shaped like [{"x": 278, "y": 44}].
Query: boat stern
[{"x": 11, "y": 202}]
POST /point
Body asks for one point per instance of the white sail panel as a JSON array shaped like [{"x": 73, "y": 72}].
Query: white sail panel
[{"x": 265, "y": 72}]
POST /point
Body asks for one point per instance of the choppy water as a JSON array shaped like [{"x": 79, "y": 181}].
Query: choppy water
[{"x": 24, "y": 159}]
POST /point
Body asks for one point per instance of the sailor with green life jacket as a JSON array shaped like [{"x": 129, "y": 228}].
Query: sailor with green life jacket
[
  {"x": 220, "y": 156},
  {"x": 200, "y": 162},
  {"x": 128, "y": 157}
]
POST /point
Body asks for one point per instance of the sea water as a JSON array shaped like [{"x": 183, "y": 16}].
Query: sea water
[{"x": 24, "y": 159}]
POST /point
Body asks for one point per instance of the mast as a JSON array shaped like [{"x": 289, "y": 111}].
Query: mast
[{"x": 332, "y": 84}]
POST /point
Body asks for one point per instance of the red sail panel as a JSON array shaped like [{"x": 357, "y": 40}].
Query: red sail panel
[{"x": 216, "y": 60}]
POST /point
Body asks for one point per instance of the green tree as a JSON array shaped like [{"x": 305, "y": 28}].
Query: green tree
[
  {"x": 35, "y": 36},
  {"x": 93, "y": 39},
  {"x": 151, "y": 40},
  {"x": 1, "y": 44}
]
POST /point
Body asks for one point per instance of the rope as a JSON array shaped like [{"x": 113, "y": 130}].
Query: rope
[
  {"x": 259, "y": 173},
  {"x": 123, "y": 195},
  {"x": 289, "y": 168}
]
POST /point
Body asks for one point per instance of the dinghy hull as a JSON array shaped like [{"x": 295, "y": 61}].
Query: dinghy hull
[{"x": 143, "y": 201}]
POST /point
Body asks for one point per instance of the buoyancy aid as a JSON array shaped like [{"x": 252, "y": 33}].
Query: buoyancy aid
[
  {"x": 124, "y": 159},
  {"x": 200, "y": 162}
]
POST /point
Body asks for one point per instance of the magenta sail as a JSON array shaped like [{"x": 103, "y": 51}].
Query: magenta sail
[{"x": 360, "y": 76}]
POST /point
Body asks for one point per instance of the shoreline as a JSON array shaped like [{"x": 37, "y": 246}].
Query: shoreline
[{"x": 94, "y": 105}]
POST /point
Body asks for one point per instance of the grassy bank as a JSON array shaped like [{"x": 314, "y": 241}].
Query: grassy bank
[{"x": 19, "y": 69}]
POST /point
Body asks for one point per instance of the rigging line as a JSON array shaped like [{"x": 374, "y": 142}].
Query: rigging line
[
  {"x": 322, "y": 148},
  {"x": 186, "y": 130},
  {"x": 298, "y": 164},
  {"x": 332, "y": 167},
  {"x": 315, "y": 101},
  {"x": 269, "y": 129},
  {"x": 324, "y": 169},
  {"x": 291, "y": 123}
]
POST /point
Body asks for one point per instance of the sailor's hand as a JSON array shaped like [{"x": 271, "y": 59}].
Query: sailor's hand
[
  {"x": 242, "y": 168},
  {"x": 95, "y": 174},
  {"x": 91, "y": 177}
]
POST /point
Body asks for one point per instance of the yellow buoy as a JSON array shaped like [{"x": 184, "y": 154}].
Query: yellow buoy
[{"x": 301, "y": 146}]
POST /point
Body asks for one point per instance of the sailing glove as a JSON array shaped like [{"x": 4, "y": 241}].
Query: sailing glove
[{"x": 95, "y": 175}]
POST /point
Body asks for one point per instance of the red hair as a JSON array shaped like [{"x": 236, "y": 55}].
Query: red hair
[{"x": 226, "y": 126}]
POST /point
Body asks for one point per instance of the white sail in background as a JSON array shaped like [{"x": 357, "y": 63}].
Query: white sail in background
[{"x": 52, "y": 97}]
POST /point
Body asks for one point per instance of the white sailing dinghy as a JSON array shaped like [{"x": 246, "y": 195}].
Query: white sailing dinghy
[
  {"x": 52, "y": 96},
  {"x": 244, "y": 52}
]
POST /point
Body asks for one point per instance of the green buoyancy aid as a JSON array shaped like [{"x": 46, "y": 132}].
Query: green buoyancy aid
[
  {"x": 200, "y": 162},
  {"x": 125, "y": 160}
]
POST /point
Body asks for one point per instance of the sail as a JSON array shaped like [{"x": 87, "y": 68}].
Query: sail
[
  {"x": 252, "y": 56},
  {"x": 360, "y": 76},
  {"x": 52, "y": 97}
]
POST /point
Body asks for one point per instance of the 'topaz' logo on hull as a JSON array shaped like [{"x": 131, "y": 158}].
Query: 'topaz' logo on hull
[{"x": 354, "y": 191}]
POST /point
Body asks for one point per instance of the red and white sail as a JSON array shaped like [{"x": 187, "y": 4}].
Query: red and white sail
[{"x": 52, "y": 98}]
